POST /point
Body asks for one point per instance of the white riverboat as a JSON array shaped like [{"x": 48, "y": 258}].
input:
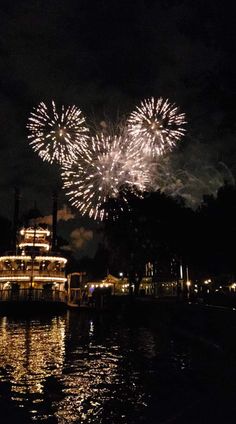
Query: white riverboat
[{"x": 33, "y": 274}]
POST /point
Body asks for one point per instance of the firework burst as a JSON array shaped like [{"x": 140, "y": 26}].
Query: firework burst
[
  {"x": 156, "y": 126},
  {"x": 57, "y": 135},
  {"x": 102, "y": 172}
]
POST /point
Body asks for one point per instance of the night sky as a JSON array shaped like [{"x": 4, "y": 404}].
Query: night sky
[{"x": 105, "y": 56}]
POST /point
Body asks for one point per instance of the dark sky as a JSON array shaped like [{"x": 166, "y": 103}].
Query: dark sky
[{"x": 105, "y": 56}]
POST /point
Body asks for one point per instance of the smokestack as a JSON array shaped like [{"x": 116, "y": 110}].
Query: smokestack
[
  {"x": 16, "y": 216},
  {"x": 54, "y": 221}
]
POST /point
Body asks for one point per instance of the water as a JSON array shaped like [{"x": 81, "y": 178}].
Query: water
[{"x": 80, "y": 369}]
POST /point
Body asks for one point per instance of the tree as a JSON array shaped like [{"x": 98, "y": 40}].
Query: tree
[{"x": 153, "y": 230}]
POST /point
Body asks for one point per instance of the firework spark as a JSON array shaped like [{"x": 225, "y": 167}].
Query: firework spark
[
  {"x": 156, "y": 126},
  {"x": 101, "y": 173},
  {"x": 57, "y": 135}
]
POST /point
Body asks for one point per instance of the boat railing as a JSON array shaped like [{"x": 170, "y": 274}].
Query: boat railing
[
  {"x": 33, "y": 253},
  {"x": 32, "y": 294},
  {"x": 30, "y": 272}
]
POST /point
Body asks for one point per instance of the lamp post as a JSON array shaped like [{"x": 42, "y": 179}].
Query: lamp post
[
  {"x": 181, "y": 279},
  {"x": 188, "y": 284},
  {"x": 207, "y": 282}
]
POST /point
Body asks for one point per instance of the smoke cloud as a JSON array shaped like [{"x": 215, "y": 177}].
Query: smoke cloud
[
  {"x": 63, "y": 214},
  {"x": 79, "y": 237},
  {"x": 190, "y": 174}
]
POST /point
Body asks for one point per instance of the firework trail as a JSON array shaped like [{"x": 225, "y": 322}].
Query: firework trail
[
  {"x": 156, "y": 126},
  {"x": 102, "y": 172},
  {"x": 57, "y": 135}
]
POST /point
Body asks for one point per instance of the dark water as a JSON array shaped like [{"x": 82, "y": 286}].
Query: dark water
[{"x": 79, "y": 369}]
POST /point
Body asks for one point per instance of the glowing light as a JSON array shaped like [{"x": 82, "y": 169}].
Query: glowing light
[
  {"x": 27, "y": 278},
  {"x": 57, "y": 134},
  {"x": 32, "y": 231},
  {"x": 15, "y": 258},
  {"x": 104, "y": 171},
  {"x": 51, "y": 258},
  {"x": 156, "y": 125},
  {"x": 58, "y": 279},
  {"x": 15, "y": 278},
  {"x": 24, "y": 258},
  {"x": 46, "y": 245}
]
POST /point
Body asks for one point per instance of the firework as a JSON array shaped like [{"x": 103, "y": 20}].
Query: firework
[
  {"x": 101, "y": 173},
  {"x": 156, "y": 126},
  {"x": 57, "y": 135}
]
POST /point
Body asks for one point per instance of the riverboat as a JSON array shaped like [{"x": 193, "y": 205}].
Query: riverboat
[{"x": 33, "y": 275}]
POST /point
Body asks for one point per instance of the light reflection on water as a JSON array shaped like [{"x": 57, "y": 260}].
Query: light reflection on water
[
  {"x": 29, "y": 353},
  {"x": 97, "y": 386},
  {"x": 73, "y": 369}
]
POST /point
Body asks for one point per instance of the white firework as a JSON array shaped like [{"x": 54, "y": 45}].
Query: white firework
[
  {"x": 55, "y": 134},
  {"x": 156, "y": 126},
  {"x": 101, "y": 172}
]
